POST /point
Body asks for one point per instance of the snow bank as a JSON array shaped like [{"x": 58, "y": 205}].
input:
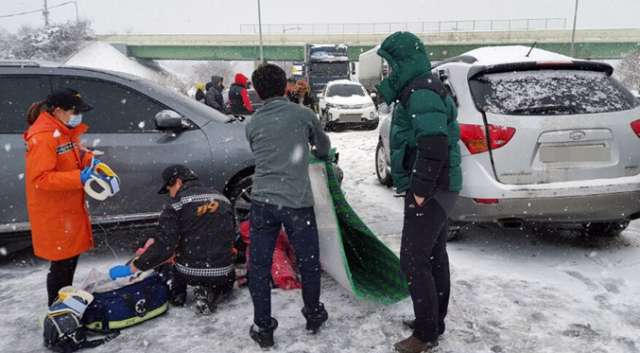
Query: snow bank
[{"x": 99, "y": 55}]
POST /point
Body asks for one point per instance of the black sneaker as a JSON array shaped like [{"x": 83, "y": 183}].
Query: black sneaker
[
  {"x": 315, "y": 320},
  {"x": 264, "y": 335}
]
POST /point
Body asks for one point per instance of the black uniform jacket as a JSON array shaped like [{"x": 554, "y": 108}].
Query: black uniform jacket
[{"x": 199, "y": 227}]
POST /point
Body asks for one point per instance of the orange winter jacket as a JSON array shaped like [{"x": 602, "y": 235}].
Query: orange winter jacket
[{"x": 60, "y": 225}]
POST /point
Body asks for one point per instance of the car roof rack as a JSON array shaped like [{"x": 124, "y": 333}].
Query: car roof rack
[{"x": 18, "y": 63}]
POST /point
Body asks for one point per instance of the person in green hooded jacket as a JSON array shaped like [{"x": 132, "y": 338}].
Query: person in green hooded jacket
[{"x": 425, "y": 164}]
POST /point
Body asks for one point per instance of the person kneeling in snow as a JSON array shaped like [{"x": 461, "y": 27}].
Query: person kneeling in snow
[{"x": 199, "y": 228}]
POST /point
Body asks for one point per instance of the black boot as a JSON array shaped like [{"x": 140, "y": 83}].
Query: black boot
[
  {"x": 264, "y": 335},
  {"x": 178, "y": 299},
  {"x": 316, "y": 319},
  {"x": 205, "y": 300}
]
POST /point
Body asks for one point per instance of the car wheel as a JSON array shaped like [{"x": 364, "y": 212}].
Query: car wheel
[
  {"x": 605, "y": 229},
  {"x": 372, "y": 126},
  {"x": 453, "y": 232},
  {"x": 240, "y": 197},
  {"x": 382, "y": 170}
]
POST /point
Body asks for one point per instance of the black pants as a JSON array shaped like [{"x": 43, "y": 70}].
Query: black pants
[
  {"x": 217, "y": 285},
  {"x": 301, "y": 228},
  {"x": 60, "y": 275},
  {"x": 425, "y": 263}
]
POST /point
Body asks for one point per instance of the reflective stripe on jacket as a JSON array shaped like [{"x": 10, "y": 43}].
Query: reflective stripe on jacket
[{"x": 60, "y": 225}]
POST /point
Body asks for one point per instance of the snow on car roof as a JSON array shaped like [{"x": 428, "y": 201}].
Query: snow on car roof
[
  {"x": 329, "y": 45},
  {"x": 344, "y": 82},
  {"x": 513, "y": 53}
]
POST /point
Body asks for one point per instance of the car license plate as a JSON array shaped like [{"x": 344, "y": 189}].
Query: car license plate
[
  {"x": 589, "y": 153},
  {"x": 350, "y": 118}
]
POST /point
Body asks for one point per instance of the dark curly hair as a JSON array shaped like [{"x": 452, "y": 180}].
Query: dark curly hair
[{"x": 269, "y": 81}]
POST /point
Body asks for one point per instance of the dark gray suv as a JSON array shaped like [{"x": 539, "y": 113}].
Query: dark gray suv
[{"x": 139, "y": 126}]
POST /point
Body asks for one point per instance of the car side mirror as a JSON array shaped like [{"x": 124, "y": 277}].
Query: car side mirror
[{"x": 170, "y": 120}]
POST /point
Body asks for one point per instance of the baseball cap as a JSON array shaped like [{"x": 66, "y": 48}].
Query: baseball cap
[
  {"x": 67, "y": 98},
  {"x": 174, "y": 171}
]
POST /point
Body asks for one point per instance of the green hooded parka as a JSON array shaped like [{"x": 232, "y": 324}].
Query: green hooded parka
[{"x": 425, "y": 156}]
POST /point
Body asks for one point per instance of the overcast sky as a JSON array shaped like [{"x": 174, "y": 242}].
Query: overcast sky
[{"x": 226, "y": 16}]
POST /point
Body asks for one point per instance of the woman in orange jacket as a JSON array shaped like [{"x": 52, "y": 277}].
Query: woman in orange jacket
[{"x": 57, "y": 167}]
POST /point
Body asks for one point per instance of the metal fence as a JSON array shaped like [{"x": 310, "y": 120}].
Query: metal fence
[{"x": 417, "y": 27}]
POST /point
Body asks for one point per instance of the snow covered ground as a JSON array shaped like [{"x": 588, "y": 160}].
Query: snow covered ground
[{"x": 512, "y": 291}]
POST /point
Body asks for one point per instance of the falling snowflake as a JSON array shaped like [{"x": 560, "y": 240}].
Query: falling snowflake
[
  {"x": 56, "y": 133},
  {"x": 96, "y": 142},
  {"x": 297, "y": 154},
  {"x": 141, "y": 124},
  {"x": 3, "y": 251},
  {"x": 124, "y": 101},
  {"x": 20, "y": 176},
  {"x": 7, "y": 147}
]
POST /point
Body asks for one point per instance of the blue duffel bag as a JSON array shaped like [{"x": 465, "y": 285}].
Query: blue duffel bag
[{"x": 128, "y": 305}]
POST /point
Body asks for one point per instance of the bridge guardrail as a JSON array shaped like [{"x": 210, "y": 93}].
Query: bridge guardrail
[{"x": 416, "y": 27}]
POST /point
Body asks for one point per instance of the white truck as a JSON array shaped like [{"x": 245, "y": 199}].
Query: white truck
[{"x": 372, "y": 69}]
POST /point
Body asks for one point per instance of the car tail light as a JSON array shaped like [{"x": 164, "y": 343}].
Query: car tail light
[
  {"x": 636, "y": 127},
  {"x": 486, "y": 201},
  {"x": 474, "y": 137},
  {"x": 500, "y": 135}
]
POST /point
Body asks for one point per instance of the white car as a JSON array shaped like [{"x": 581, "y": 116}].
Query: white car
[
  {"x": 545, "y": 138},
  {"x": 345, "y": 103}
]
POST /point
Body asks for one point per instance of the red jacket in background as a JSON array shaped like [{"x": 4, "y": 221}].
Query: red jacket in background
[{"x": 239, "y": 97}]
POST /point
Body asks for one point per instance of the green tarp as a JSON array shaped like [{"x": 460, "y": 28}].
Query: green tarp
[{"x": 349, "y": 251}]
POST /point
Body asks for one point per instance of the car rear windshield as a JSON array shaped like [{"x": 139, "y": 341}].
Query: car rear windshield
[
  {"x": 550, "y": 92},
  {"x": 345, "y": 91}
]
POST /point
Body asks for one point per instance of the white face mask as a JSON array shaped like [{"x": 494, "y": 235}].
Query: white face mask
[{"x": 74, "y": 121}]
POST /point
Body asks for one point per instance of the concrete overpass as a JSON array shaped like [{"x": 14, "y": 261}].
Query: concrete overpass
[{"x": 589, "y": 44}]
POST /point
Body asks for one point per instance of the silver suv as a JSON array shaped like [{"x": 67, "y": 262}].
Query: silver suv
[
  {"x": 139, "y": 126},
  {"x": 545, "y": 138}
]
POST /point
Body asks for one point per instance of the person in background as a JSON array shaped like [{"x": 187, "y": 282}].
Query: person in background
[
  {"x": 200, "y": 95},
  {"x": 57, "y": 167},
  {"x": 425, "y": 163},
  {"x": 279, "y": 135},
  {"x": 291, "y": 89},
  {"x": 213, "y": 98},
  {"x": 303, "y": 95},
  {"x": 200, "y": 229},
  {"x": 239, "y": 97}
]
